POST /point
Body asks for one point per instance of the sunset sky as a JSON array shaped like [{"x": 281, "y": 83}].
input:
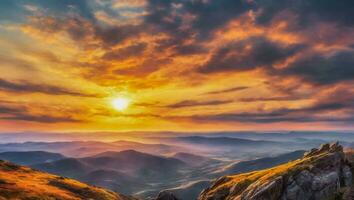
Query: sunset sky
[{"x": 181, "y": 65}]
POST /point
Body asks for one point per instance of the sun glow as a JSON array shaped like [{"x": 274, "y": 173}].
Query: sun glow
[{"x": 120, "y": 103}]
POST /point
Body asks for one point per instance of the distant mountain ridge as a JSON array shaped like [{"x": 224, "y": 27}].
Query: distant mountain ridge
[
  {"x": 88, "y": 148},
  {"x": 222, "y": 140},
  {"x": 30, "y": 157}
]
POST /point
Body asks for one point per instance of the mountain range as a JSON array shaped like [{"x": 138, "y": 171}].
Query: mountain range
[
  {"x": 321, "y": 173},
  {"x": 133, "y": 172}
]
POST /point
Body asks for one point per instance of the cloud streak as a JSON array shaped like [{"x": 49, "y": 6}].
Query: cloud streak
[{"x": 25, "y": 87}]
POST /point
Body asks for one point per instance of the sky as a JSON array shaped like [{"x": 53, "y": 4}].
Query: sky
[{"x": 183, "y": 65}]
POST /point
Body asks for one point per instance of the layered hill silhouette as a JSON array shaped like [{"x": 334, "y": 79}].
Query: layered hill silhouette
[
  {"x": 127, "y": 171},
  {"x": 18, "y": 182},
  {"x": 30, "y": 157},
  {"x": 192, "y": 159},
  {"x": 113, "y": 170},
  {"x": 88, "y": 148},
  {"x": 321, "y": 174}
]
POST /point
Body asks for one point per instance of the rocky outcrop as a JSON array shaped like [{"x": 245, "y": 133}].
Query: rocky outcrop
[
  {"x": 321, "y": 174},
  {"x": 165, "y": 195}
]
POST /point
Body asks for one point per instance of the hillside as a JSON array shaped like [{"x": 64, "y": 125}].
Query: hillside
[
  {"x": 136, "y": 164},
  {"x": 321, "y": 174},
  {"x": 70, "y": 167},
  {"x": 192, "y": 159},
  {"x": 17, "y": 182}
]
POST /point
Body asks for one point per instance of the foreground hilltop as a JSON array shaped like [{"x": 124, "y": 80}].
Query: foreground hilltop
[
  {"x": 321, "y": 174},
  {"x": 17, "y": 182}
]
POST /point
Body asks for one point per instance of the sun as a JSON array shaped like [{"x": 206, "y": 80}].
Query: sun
[{"x": 120, "y": 103}]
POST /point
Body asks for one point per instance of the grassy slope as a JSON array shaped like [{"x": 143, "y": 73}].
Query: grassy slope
[{"x": 17, "y": 182}]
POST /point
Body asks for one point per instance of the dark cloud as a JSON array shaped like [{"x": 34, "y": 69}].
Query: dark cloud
[
  {"x": 208, "y": 15},
  {"x": 211, "y": 15},
  {"x": 281, "y": 98},
  {"x": 338, "y": 100},
  {"x": 280, "y": 115},
  {"x": 41, "y": 88},
  {"x": 127, "y": 52},
  {"x": 249, "y": 54},
  {"x": 228, "y": 90},
  {"x": 19, "y": 113},
  {"x": 188, "y": 20},
  {"x": 9, "y": 110},
  {"x": 323, "y": 69},
  {"x": 308, "y": 12},
  {"x": 189, "y": 103},
  {"x": 190, "y": 49},
  {"x": 40, "y": 118},
  {"x": 114, "y": 35},
  {"x": 86, "y": 32},
  {"x": 148, "y": 66},
  {"x": 264, "y": 118}
]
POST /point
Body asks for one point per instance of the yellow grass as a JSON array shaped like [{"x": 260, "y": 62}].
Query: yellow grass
[{"x": 22, "y": 182}]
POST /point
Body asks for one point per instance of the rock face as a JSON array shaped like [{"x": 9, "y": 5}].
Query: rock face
[
  {"x": 321, "y": 174},
  {"x": 164, "y": 195}
]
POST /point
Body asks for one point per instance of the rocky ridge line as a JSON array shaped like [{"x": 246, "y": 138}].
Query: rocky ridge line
[{"x": 321, "y": 174}]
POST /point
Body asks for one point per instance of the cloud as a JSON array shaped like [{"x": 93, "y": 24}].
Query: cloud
[
  {"x": 124, "y": 53},
  {"x": 114, "y": 35},
  {"x": 27, "y": 87},
  {"x": 280, "y": 98},
  {"x": 169, "y": 15},
  {"x": 85, "y": 32},
  {"x": 340, "y": 100},
  {"x": 228, "y": 90},
  {"x": 147, "y": 66},
  {"x": 323, "y": 69},
  {"x": 190, "y": 103},
  {"x": 20, "y": 113},
  {"x": 281, "y": 115},
  {"x": 9, "y": 110},
  {"x": 40, "y": 118},
  {"x": 307, "y": 12},
  {"x": 248, "y": 55}
]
